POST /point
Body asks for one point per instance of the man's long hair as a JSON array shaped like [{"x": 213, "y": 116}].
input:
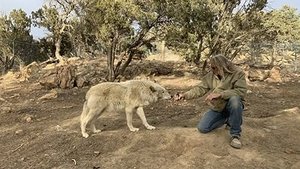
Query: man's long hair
[{"x": 223, "y": 64}]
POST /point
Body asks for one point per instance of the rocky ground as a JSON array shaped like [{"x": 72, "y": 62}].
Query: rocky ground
[{"x": 39, "y": 128}]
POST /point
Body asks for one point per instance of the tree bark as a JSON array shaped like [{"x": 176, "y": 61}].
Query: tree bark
[
  {"x": 111, "y": 60},
  {"x": 57, "y": 49},
  {"x": 125, "y": 65},
  {"x": 199, "y": 50}
]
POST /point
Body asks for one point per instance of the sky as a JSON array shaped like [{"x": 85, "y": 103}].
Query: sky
[
  {"x": 28, "y": 6},
  {"x": 276, "y": 4},
  {"x": 33, "y": 5}
]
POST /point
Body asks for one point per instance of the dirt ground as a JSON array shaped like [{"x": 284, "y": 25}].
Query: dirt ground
[{"x": 44, "y": 133}]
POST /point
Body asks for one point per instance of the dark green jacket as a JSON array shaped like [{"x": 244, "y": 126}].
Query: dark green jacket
[{"x": 232, "y": 84}]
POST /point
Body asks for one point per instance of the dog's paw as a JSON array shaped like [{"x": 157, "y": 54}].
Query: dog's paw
[
  {"x": 150, "y": 127},
  {"x": 85, "y": 135},
  {"x": 134, "y": 129}
]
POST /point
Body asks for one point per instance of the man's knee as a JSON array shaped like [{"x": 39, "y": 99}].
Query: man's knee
[
  {"x": 202, "y": 129},
  {"x": 235, "y": 102}
]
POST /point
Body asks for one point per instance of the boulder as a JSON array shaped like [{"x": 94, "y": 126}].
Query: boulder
[
  {"x": 274, "y": 75},
  {"x": 258, "y": 74},
  {"x": 30, "y": 72},
  {"x": 62, "y": 76}
]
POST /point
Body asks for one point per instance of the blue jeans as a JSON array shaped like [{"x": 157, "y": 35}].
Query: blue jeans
[{"x": 232, "y": 115}]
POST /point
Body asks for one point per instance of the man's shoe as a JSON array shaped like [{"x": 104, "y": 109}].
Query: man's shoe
[{"x": 235, "y": 142}]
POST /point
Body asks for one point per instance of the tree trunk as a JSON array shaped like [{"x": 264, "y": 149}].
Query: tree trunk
[
  {"x": 5, "y": 69},
  {"x": 121, "y": 68},
  {"x": 273, "y": 55},
  {"x": 199, "y": 50},
  {"x": 57, "y": 49},
  {"x": 111, "y": 60},
  {"x": 215, "y": 47},
  {"x": 163, "y": 51},
  {"x": 295, "y": 63}
]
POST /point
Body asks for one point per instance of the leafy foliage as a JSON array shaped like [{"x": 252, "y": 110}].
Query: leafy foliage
[
  {"x": 15, "y": 39},
  {"x": 125, "y": 29},
  {"x": 212, "y": 26}
]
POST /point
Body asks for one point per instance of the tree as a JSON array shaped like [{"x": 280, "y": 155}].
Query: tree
[
  {"x": 284, "y": 25},
  {"x": 212, "y": 26},
  {"x": 285, "y": 22},
  {"x": 56, "y": 17},
  {"x": 122, "y": 28},
  {"x": 6, "y": 57},
  {"x": 188, "y": 28},
  {"x": 15, "y": 39}
]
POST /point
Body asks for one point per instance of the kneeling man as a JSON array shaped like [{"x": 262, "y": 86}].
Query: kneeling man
[{"x": 226, "y": 87}]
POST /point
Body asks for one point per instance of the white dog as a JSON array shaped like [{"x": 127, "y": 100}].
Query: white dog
[{"x": 130, "y": 96}]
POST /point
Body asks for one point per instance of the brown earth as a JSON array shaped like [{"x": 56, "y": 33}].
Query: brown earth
[{"x": 44, "y": 133}]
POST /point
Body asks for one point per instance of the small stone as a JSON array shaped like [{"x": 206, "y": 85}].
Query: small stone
[
  {"x": 5, "y": 109},
  {"x": 58, "y": 128},
  {"x": 19, "y": 131},
  {"x": 28, "y": 119},
  {"x": 267, "y": 130},
  {"x": 273, "y": 127}
]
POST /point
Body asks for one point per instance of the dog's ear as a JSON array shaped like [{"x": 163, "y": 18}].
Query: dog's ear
[{"x": 152, "y": 89}]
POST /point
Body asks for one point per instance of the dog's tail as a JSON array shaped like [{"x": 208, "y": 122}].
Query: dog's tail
[{"x": 85, "y": 111}]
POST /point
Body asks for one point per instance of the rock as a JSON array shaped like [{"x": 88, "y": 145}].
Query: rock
[
  {"x": 52, "y": 95},
  {"x": 50, "y": 66},
  {"x": 62, "y": 76},
  {"x": 272, "y": 127},
  {"x": 66, "y": 76},
  {"x": 274, "y": 75},
  {"x": 20, "y": 131},
  {"x": 293, "y": 110},
  {"x": 5, "y": 109},
  {"x": 28, "y": 118},
  {"x": 49, "y": 80},
  {"x": 58, "y": 128},
  {"x": 80, "y": 81},
  {"x": 30, "y": 72},
  {"x": 2, "y": 100},
  {"x": 96, "y": 152},
  {"x": 267, "y": 130},
  {"x": 258, "y": 75},
  {"x": 73, "y": 60},
  {"x": 17, "y": 95}
]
